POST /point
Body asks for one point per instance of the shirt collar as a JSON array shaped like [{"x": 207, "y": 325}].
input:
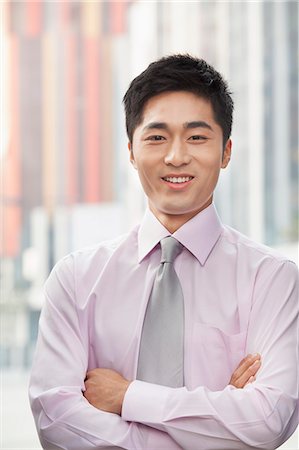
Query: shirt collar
[{"x": 198, "y": 235}]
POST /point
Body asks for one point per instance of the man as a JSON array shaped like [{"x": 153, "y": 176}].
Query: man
[{"x": 115, "y": 367}]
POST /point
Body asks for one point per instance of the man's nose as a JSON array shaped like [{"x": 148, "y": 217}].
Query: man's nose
[{"x": 177, "y": 155}]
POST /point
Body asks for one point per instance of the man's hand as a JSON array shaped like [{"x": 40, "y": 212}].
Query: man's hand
[
  {"x": 105, "y": 390},
  {"x": 246, "y": 371}
]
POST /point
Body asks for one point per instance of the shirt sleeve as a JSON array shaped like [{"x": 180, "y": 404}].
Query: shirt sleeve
[
  {"x": 264, "y": 414},
  {"x": 63, "y": 417}
]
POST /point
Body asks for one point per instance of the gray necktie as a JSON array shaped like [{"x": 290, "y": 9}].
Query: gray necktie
[{"x": 161, "y": 354}]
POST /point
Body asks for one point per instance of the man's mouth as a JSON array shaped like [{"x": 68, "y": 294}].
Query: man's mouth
[{"x": 177, "y": 180}]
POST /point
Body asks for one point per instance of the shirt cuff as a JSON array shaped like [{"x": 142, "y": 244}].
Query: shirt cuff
[{"x": 145, "y": 402}]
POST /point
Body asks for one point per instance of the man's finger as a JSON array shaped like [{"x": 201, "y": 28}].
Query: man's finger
[
  {"x": 242, "y": 380},
  {"x": 244, "y": 366},
  {"x": 243, "y": 361},
  {"x": 251, "y": 380}
]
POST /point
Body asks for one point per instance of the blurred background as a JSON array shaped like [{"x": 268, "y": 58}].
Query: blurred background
[{"x": 65, "y": 177}]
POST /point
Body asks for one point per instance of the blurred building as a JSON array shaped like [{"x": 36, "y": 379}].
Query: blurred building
[
  {"x": 63, "y": 159},
  {"x": 66, "y": 178}
]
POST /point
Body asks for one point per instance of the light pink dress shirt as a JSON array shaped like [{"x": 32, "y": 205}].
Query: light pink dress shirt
[{"x": 240, "y": 297}]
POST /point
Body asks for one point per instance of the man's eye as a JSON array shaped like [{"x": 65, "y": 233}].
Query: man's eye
[
  {"x": 198, "y": 137},
  {"x": 155, "y": 138}
]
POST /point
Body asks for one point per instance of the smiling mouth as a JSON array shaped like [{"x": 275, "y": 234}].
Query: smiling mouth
[{"x": 177, "y": 180}]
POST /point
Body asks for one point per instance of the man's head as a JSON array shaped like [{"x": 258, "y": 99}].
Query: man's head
[
  {"x": 179, "y": 117},
  {"x": 179, "y": 73}
]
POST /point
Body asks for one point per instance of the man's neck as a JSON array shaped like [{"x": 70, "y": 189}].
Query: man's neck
[{"x": 172, "y": 222}]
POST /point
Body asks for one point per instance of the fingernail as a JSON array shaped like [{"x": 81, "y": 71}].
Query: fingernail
[{"x": 256, "y": 363}]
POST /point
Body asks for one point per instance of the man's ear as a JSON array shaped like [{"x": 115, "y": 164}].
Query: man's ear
[
  {"x": 132, "y": 159},
  {"x": 226, "y": 154}
]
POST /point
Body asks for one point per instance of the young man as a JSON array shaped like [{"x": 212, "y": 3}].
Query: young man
[{"x": 140, "y": 337}]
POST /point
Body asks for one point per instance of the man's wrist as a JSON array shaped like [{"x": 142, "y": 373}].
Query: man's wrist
[
  {"x": 144, "y": 402},
  {"x": 126, "y": 385}
]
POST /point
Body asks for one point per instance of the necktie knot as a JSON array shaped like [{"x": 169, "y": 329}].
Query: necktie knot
[{"x": 171, "y": 248}]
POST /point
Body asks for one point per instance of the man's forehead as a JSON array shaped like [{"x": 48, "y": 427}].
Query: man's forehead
[
  {"x": 160, "y": 109},
  {"x": 160, "y": 97}
]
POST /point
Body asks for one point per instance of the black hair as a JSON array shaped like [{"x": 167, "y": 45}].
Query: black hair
[{"x": 179, "y": 73}]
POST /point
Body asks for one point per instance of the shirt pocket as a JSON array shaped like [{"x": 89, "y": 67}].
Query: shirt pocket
[{"x": 215, "y": 356}]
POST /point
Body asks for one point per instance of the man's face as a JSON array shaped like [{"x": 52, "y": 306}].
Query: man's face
[{"x": 178, "y": 152}]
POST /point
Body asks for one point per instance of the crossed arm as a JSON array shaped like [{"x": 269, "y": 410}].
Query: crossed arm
[{"x": 105, "y": 389}]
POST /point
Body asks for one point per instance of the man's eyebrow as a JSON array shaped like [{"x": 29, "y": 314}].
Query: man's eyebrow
[
  {"x": 187, "y": 125},
  {"x": 156, "y": 125},
  {"x": 197, "y": 124}
]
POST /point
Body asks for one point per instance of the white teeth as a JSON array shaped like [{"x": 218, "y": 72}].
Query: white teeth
[{"x": 177, "y": 179}]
